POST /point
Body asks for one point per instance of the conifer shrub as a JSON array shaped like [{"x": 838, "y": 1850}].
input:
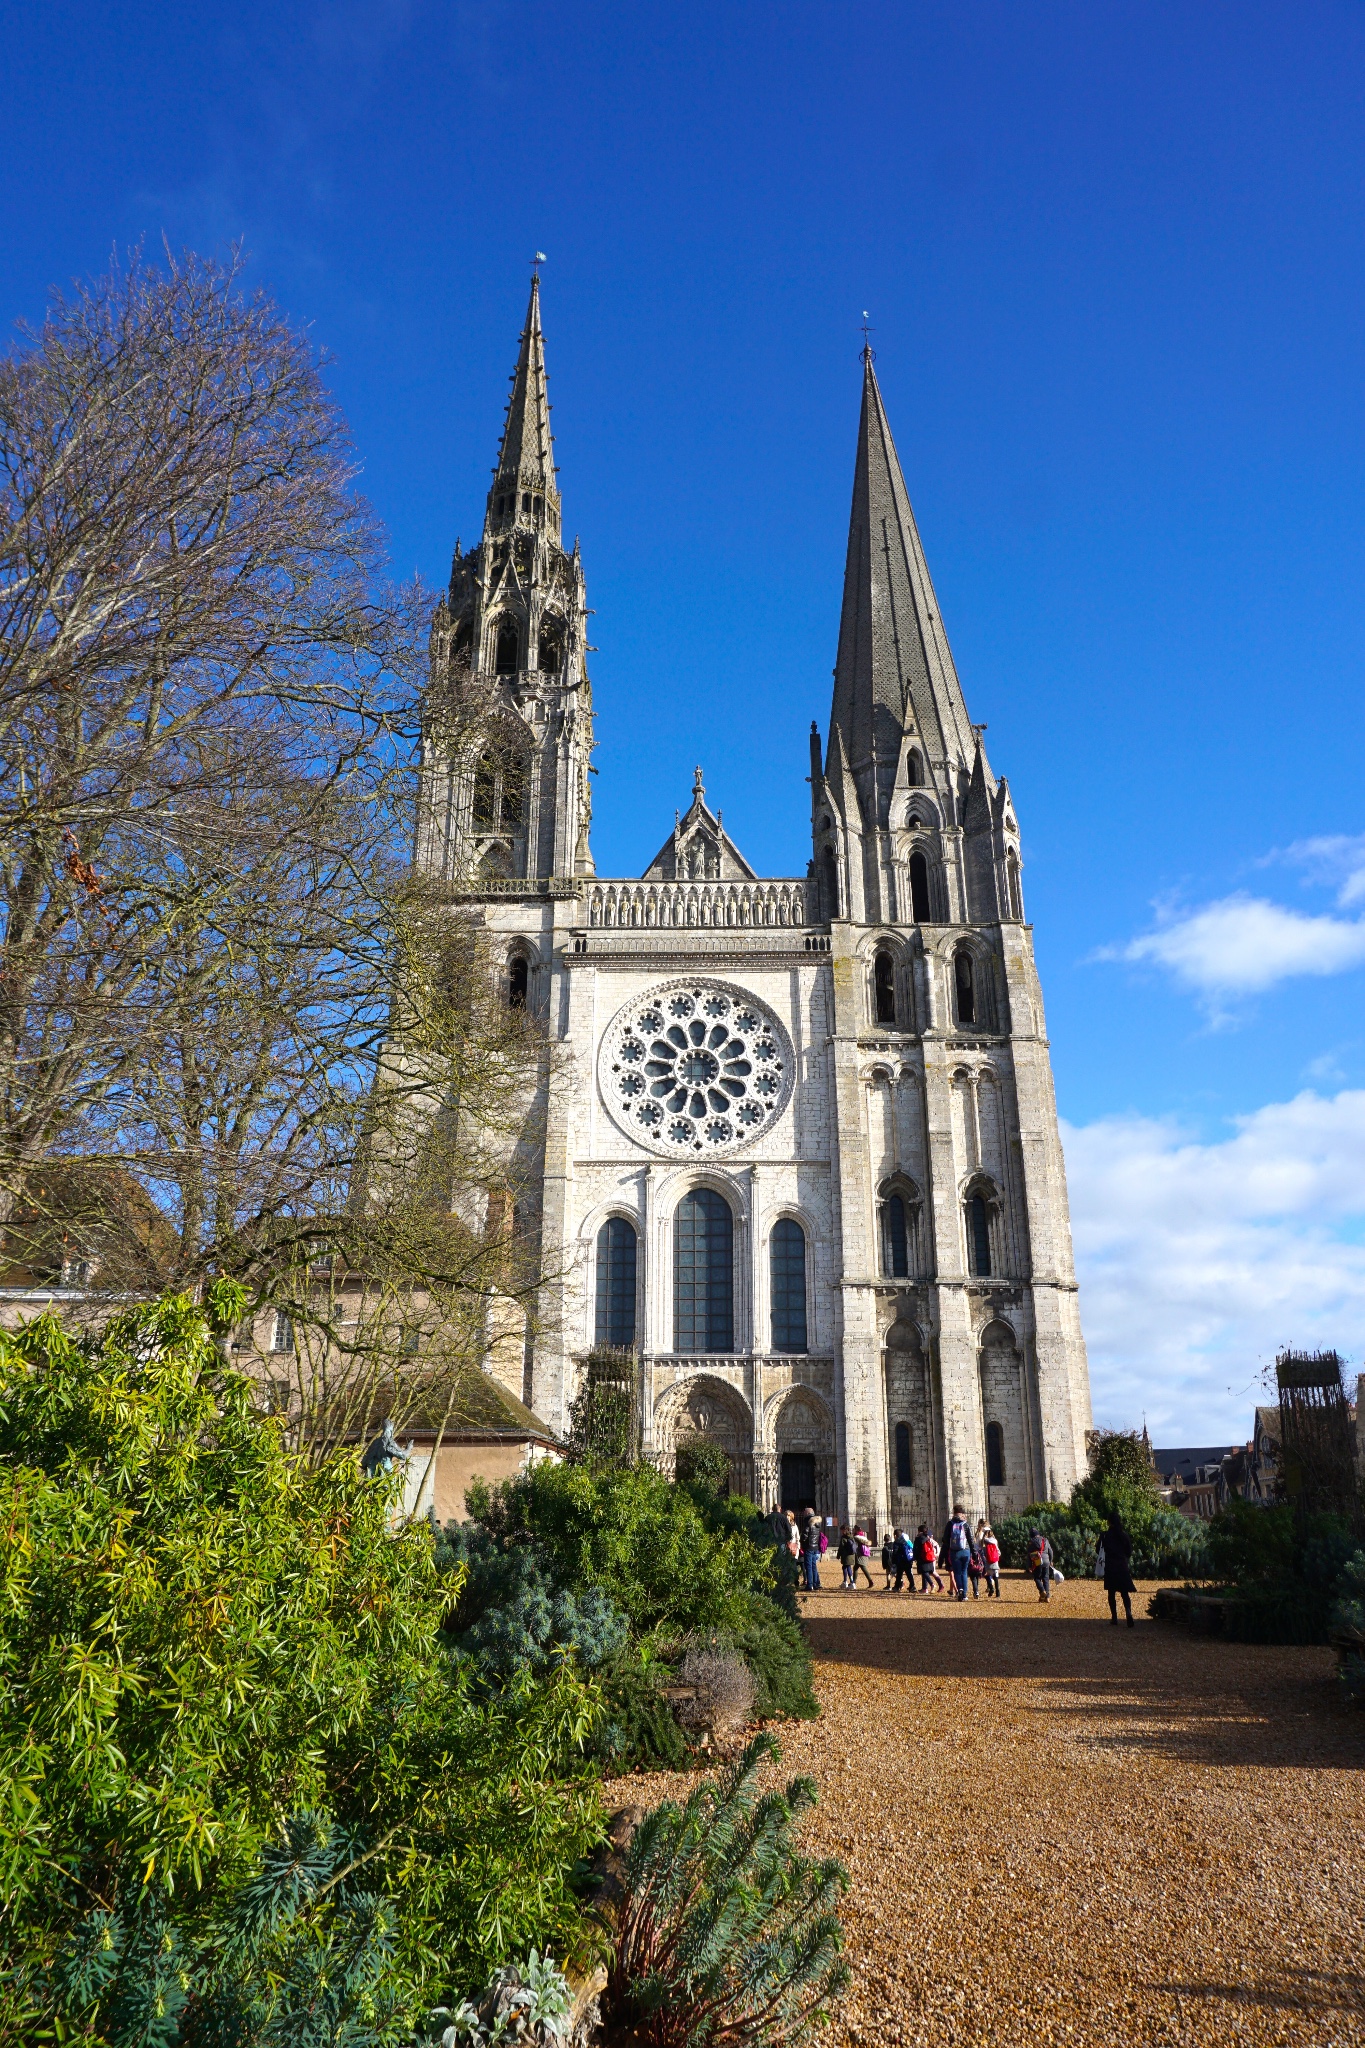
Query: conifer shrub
[
  {"x": 202, "y": 1634},
  {"x": 639, "y": 1726},
  {"x": 511, "y": 1616},
  {"x": 724, "y": 1931}
]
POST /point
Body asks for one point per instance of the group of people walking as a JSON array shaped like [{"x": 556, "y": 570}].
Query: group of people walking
[{"x": 972, "y": 1556}]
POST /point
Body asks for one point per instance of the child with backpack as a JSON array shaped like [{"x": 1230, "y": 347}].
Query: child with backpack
[
  {"x": 1040, "y": 1563},
  {"x": 889, "y": 1558},
  {"x": 862, "y": 1551},
  {"x": 990, "y": 1551},
  {"x": 926, "y": 1557}
]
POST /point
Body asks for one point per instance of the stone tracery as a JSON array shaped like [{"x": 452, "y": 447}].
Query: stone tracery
[{"x": 695, "y": 1067}]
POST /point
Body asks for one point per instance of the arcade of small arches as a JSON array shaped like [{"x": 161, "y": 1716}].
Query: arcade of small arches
[
  {"x": 506, "y": 638},
  {"x": 891, "y": 993},
  {"x": 903, "y": 1234}
]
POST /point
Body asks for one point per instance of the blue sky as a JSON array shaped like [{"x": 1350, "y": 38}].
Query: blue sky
[{"x": 1113, "y": 261}]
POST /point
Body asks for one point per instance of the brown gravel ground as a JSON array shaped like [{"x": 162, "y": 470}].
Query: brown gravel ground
[{"x": 1063, "y": 1832}]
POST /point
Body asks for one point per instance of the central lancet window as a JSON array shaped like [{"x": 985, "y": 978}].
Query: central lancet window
[
  {"x": 703, "y": 1273},
  {"x": 788, "y": 1260},
  {"x": 616, "y": 1256},
  {"x": 979, "y": 1237},
  {"x": 919, "y": 888},
  {"x": 964, "y": 983},
  {"x": 884, "y": 986},
  {"x": 507, "y": 647},
  {"x": 895, "y": 1238}
]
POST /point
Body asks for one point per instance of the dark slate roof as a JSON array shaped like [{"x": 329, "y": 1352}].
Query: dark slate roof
[
  {"x": 482, "y": 1408},
  {"x": 1185, "y": 1462}
]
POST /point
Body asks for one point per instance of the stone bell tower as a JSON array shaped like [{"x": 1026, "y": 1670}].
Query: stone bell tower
[
  {"x": 964, "y": 1371},
  {"x": 509, "y": 725}
]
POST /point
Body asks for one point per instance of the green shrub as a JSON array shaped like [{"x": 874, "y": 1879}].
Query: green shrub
[
  {"x": 641, "y": 1540},
  {"x": 1248, "y": 1544},
  {"x": 1073, "y": 1537},
  {"x": 201, "y": 1633},
  {"x": 1172, "y": 1547},
  {"x": 724, "y": 1931},
  {"x": 639, "y": 1726},
  {"x": 703, "y": 1467},
  {"x": 775, "y": 1649}
]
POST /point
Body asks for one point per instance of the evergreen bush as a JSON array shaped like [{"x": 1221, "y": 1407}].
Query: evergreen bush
[
  {"x": 200, "y": 1631},
  {"x": 636, "y": 1537},
  {"x": 725, "y": 1933}
]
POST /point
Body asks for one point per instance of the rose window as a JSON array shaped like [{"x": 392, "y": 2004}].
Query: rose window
[{"x": 695, "y": 1068}]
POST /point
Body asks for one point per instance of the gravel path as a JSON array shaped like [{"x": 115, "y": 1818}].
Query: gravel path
[{"x": 1063, "y": 1832}]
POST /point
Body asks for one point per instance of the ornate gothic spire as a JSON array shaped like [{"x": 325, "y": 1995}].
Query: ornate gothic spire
[
  {"x": 523, "y": 492},
  {"x": 894, "y": 673}
]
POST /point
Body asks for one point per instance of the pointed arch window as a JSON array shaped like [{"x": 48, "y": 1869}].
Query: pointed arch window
[
  {"x": 788, "y": 1265},
  {"x": 964, "y": 983},
  {"x": 507, "y": 646},
  {"x": 884, "y": 985},
  {"x": 703, "y": 1273},
  {"x": 829, "y": 882},
  {"x": 914, "y": 769},
  {"x": 979, "y": 1237},
  {"x": 905, "y": 1469},
  {"x": 995, "y": 1454},
  {"x": 919, "y": 888},
  {"x": 518, "y": 981},
  {"x": 486, "y": 794},
  {"x": 895, "y": 1237},
  {"x": 617, "y": 1249}
]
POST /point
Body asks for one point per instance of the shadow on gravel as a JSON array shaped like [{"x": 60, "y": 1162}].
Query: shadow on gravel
[
  {"x": 1151, "y": 1690},
  {"x": 1323, "y": 1993}
]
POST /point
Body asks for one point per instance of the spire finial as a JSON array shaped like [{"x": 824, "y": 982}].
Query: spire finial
[
  {"x": 869, "y": 353},
  {"x": 536, "y": 262},
  {"x": 697, "y": 790}
]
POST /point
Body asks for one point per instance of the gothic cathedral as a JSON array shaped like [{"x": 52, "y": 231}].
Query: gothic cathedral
[{"x": 798, "y": 1154}]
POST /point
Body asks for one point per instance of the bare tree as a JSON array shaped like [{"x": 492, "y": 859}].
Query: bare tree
[
  {"x": 218, "y": 971},
  {"x": 190, "y": 603}
]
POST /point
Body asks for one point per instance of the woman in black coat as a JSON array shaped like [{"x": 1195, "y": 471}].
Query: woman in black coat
[{"x": 1118, "y": 1569}]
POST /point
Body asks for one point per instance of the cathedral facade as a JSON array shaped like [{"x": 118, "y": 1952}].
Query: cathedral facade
[{"x": 797, "y": 1155}]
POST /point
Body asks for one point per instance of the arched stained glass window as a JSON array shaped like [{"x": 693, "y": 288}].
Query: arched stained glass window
[
  {"x": 788, "y": 1253},
  {"x": 616, "y": 1250},
  {"x": 884, "y": 983},
  {"x": 905, "y": 1471},
  {"x": 965, "y": 982},
  {"x": 919, "y": 888},
  {"x": 703, "y": 1273},
  {"x": 979, "y": 1236},
  {"x": 895, "y": 1237},
  {"x": 507, "y": 649},
  {"x": 995, "y": 1454}
]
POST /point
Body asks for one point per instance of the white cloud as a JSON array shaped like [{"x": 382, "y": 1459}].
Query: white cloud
[
  {"x": 1244, "y": 944},
  {"x": 1336, "y": 859},
  {"x": 1197, "y": 1261}
]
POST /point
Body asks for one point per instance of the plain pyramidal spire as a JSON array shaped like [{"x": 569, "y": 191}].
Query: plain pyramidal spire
[
  {"x": 894, "y": 673},
  {"x": 524, "y": 481}
]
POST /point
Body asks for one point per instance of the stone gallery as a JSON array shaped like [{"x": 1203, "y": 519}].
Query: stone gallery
[{"x": 796, "y": 1157}]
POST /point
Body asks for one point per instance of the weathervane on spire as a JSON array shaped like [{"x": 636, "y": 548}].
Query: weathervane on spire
[
  {"x": 869, "y": 353},
  {"x": 536, "y": 262}
]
